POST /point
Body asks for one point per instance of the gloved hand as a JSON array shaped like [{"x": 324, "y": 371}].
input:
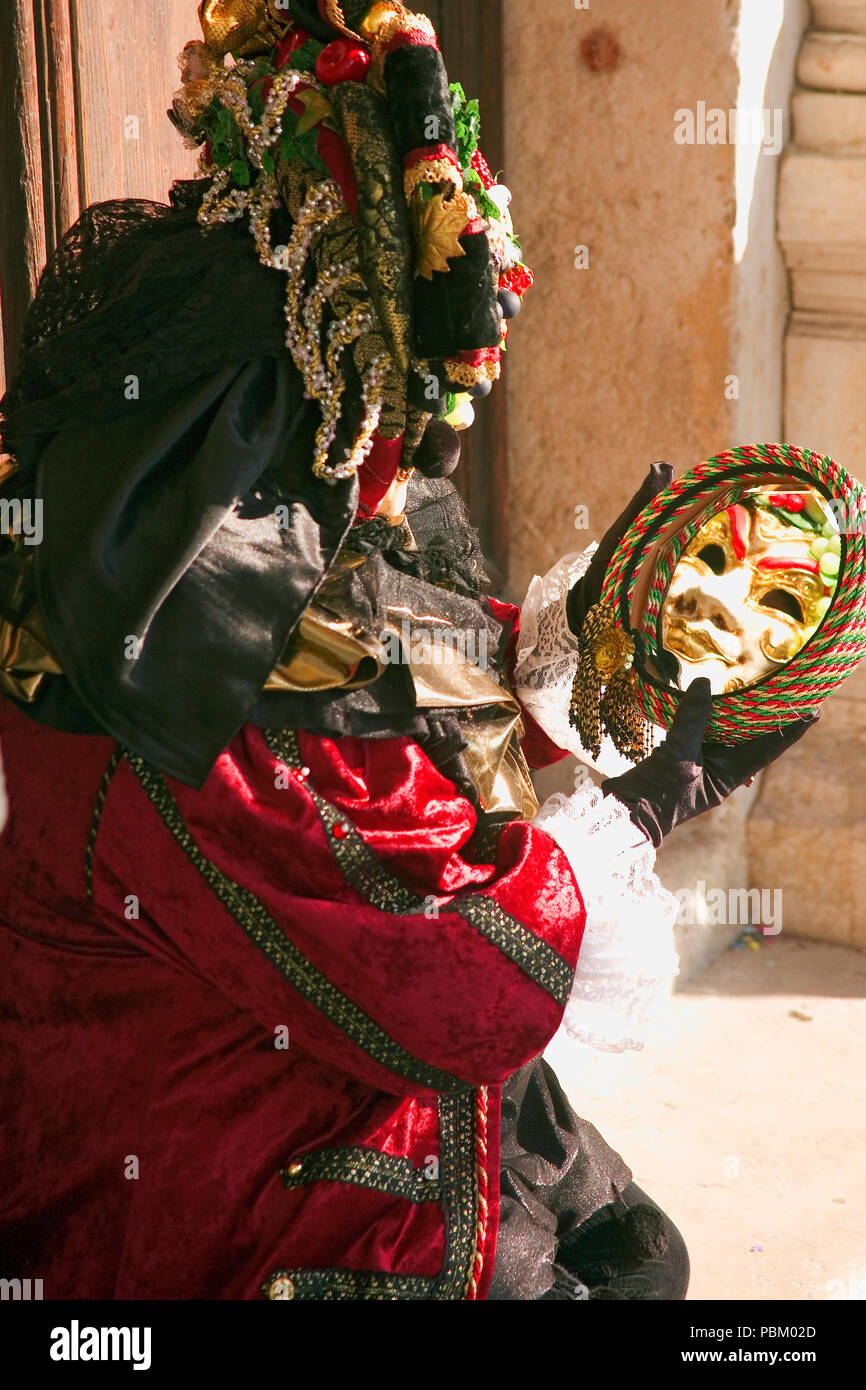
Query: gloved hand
[
  {"x": 587, "y": 590},
  {"x": 685, "y": 776}
]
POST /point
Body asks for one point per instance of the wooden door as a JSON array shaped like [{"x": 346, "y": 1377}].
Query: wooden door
[
  {"x": 90, "y": 83},
  {"x": 470, "y": 35}
]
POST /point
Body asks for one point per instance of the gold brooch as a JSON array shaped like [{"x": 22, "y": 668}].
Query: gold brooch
[{"x": 612, "y": 651}]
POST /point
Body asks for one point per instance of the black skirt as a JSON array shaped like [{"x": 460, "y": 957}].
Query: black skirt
[{"x": 573, "y": 1224}]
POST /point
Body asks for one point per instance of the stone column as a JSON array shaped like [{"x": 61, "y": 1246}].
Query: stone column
[{"x": 807, "y": 833}]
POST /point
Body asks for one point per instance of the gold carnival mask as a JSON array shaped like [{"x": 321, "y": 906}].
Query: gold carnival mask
[
  {"x": 750, "y": 588},
  {"x": 748, "y": 571}
]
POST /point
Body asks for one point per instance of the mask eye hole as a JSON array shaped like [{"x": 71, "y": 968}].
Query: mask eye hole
[
  {"x": 714, "y": 557},
  {"x": 686, "y": 605},
  {"x": 784, "y": 602}
]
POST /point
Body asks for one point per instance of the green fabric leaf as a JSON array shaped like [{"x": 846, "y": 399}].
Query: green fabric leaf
[
  {"x": 224, "y": 134},
  {"x": 256, "y": 100},
  {"x": 304, "y": 58},
  {"x": 302, "y": 147},
  {"x": 228, "y": 146}
]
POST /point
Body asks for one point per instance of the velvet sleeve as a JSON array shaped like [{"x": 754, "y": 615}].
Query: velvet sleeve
[{"x": 322, "y": 885}]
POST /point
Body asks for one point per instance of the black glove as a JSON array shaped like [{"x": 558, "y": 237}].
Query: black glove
[
  {"x": 685, "y": 776},
  {"x": 587, "y": 590}
]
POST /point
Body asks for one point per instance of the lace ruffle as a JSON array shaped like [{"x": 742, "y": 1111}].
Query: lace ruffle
[
  {"x": 627, "y": 960},
  {"x": 137, "y": 290}
]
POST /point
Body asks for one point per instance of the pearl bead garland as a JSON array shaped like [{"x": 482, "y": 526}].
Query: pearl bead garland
[{"x": 323, "y": 381}]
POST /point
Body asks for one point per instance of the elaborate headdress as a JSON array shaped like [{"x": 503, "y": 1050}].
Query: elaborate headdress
[{"x": 401, "y": 247}]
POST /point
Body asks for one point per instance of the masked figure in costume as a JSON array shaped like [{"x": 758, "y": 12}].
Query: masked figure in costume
[{"x": 283, "y": 929}]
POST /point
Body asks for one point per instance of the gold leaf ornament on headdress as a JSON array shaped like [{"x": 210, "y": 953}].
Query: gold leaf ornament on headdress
[
  {"x": 317, "y": 110},
  {"x": 236, "y": 26},
  {"x": 438, "y": 224}
]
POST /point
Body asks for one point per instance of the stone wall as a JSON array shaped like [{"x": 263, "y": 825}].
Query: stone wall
[
  {"x": 670, "y": 343},
  {"x": 622, "y": 363}
]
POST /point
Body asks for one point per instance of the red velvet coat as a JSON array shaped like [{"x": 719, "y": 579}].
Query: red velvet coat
[{"x": 160, "y": 946}]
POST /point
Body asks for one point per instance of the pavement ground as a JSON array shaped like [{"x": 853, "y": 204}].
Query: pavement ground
[{"x": 745, "y": 1119}]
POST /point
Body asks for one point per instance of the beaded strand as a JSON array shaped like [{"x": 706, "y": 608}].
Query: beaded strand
[{"x": 324, "y": 205}]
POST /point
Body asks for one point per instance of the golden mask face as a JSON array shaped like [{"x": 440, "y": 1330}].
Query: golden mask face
[{"x": 751, "y": 588}]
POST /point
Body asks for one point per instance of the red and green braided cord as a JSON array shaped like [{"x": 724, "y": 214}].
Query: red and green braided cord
[{"x": 833, "y": 651}]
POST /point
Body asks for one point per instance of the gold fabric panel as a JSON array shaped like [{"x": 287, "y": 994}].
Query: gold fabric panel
[
  {"x": 327, "y": 653},
  {"x": 25, "y": 656},
  {"x": 25, "y": 652},
  {"x": 236, "y": 26}
]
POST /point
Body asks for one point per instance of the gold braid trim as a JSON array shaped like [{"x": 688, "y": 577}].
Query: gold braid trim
[
  {"x": 252, "y": 916},
  {"x": 363, "y": 1167},
  {"x": 432, "y": 171},
  {"x": 465, "y": 1219},
  {"x": 337, "y": 20},
  {"x": 470, "y": 374}
]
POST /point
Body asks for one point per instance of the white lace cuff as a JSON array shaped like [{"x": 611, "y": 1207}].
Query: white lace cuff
[
  {"x": 627, "y": 960},
  {"x": 547, "y": 656}
]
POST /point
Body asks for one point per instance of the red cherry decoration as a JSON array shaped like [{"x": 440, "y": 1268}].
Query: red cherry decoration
[
  {"x": 341, "y": 831},
  {"x": 791, "y": 501},
  {"x": 286, "y": 47},
  {"x": 342, "y": 61},
  {"x": 520, "y": 279}
]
